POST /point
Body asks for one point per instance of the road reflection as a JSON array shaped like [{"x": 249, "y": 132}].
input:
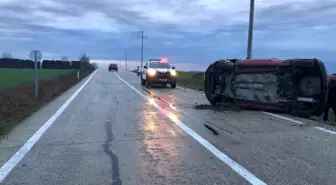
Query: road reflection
[{"x": 156, "y": 124}]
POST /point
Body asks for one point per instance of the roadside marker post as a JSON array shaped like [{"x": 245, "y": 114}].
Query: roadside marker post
[{"x": 36, "y": 56}]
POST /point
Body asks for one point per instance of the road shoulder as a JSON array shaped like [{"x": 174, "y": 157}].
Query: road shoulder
[{"x": 16, "y": 138}]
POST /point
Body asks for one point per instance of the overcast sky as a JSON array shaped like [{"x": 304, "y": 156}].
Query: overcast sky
[{"x": 186, "y": 31}]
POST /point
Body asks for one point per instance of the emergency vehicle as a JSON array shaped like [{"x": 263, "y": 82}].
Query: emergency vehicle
[{"x": 158, "y": 71}]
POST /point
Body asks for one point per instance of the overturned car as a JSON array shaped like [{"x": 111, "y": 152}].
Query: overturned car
[{"x": 295, "y": 86}]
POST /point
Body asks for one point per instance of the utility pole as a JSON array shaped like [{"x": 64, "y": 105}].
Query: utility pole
[
  {"x": 142, "y": 37},
  {"x": 126, "y": 59},
  {"x": 250, "y": 31}
]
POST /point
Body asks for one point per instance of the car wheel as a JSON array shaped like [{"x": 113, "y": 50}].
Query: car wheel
[
  {"x": 210, "y": 75},
  {"x": 142, "y": 80},
  {"x": 148, "y": 84},
  {"x": 173, "y": 85}
]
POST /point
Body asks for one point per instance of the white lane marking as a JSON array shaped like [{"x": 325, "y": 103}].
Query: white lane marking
[
  {"x": 223, "y": 157},
  {"x": 300, "y": 122},
  {"x": 326, "y": 130},
  {"x": 18, "y": 156},
  {"x": 284, "y": 118}
]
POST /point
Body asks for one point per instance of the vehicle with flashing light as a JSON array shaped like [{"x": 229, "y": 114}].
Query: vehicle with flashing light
[
  {"x": 158, "y": 71},
  {"x": 113, "y": 66},
  {"x": 294, "y": 86}
]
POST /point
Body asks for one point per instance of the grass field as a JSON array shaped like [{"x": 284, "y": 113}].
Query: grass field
[
  {"x": 12, "y": 77},
  {"x": 194, "y": 80}
]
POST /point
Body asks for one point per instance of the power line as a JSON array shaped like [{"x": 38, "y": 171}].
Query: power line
[{"x": 142, "y": 37}]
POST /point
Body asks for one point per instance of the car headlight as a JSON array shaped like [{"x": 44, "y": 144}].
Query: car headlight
[
  {"x": 151, "y": 72},
  {"x": 173, "y": 72}
]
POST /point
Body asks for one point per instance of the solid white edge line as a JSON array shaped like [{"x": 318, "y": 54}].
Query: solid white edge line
[
  {"x": 18, "y": 156},
  {"x": 300, "y": 122},
  {"x": 219, "y": 154}
]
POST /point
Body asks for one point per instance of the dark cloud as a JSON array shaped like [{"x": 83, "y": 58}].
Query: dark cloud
[{"x": 196, "y": 32}]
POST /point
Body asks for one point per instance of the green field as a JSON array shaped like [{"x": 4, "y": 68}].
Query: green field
[
  {"x": 194, "y": 80},
  {"x": 13, "y": 77}
]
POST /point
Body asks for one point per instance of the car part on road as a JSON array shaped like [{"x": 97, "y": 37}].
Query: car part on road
[
  {"x": 211, "y": 129},
  {"x": 295, "y": 86}
]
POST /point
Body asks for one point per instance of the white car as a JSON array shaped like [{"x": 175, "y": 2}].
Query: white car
[{"x": 158, "y": 72}]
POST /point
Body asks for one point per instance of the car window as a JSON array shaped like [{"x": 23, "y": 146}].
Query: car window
[{"x": 159, "y": 65}]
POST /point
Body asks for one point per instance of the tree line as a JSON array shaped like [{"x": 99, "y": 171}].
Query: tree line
[{"x": 83, "y": 63}]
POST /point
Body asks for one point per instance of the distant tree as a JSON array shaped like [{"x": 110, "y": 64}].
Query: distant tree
[
  {"x": 84, "y": 58},
  {"x": 65, "y": 58},
  {"x": 6, "y": 55}
]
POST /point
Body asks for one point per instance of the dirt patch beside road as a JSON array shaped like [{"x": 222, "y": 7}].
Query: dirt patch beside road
[{"x": 17, "y": 103}]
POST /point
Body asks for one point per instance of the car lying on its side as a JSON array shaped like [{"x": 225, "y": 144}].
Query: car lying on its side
[
  {"x": 113, "y": 67},
  {"x": 295, "y": 86}
]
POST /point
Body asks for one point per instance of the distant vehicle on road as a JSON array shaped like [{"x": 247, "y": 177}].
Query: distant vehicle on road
[
  {"x": 158, "y": 71},
  {"x": 295, "y": 86},
  {"x": 113, "y": 67}
]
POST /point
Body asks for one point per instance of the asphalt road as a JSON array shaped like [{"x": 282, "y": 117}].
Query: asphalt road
[{"x": 114, "y": 132}]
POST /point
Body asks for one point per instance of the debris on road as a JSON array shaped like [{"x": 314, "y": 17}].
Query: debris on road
[{"x": 210, "y": 128}]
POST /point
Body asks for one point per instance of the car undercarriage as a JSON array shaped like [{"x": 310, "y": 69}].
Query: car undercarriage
[{"x": 298, "y": 86}]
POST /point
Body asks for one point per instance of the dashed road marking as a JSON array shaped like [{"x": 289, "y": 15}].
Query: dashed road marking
[
  {"x": 300, "y": 122},
  {"x": 326, "y": 130},
  {"x": 284, "y": 118}
]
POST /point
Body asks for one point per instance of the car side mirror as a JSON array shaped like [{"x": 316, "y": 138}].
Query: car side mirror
[
  {"x": 173, "y": 67},
  {"x": 145, "y": 67}
]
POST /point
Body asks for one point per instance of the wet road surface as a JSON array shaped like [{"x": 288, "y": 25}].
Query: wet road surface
[{"x": 114, "y": 132}]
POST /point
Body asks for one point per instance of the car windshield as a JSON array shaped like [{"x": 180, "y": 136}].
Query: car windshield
[
  {"x": 159, "y": 65},
  {"x": 113, "y": 65}
]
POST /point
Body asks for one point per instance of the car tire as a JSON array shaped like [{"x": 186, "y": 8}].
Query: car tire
[
  {"x": 214, "y": 69},
  {"x": 143, "y": 82},
  {"x": 173, "y": 85},
  {"x": 148, "y": 84}
]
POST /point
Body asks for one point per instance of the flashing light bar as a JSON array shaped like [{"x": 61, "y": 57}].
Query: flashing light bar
[{"x": 164, "y": 60}]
